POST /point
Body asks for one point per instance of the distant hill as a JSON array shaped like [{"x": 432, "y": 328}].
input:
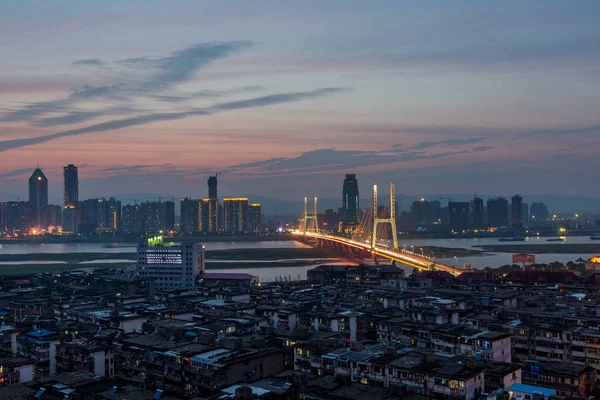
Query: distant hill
[{"x": 554, "y": 203}]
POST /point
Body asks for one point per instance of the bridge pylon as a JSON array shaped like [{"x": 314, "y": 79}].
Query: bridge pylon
[
  {"x": 391, "y": 220},
  {"x": 307, "y": 216}
]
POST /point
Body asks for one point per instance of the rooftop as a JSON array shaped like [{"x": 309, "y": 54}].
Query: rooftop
[{"x": 521, "y": 387}]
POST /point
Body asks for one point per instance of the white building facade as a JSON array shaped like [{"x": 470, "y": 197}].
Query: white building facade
[{"x": 171, "y": 267}]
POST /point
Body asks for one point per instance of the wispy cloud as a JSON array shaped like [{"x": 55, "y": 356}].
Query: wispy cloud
[
  {"x": 154, "y": 117},
  {"x": 75, "y": 117},
  {"x": 16, "y": 172},
  {"x": 134, "y": 168},
  {"x": 208, "y": 94},
  {"x": 181, "y": 65},
  {"x": 88, "y": 61},
  {"x": 142, "y": 78},
  {"x": 446, "y": 142},
  {"x": 276, "y": 99},
  {"x": 333, "y": 160}
]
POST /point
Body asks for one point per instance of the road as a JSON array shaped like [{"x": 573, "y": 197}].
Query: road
[{"x": 400, "y": 256}]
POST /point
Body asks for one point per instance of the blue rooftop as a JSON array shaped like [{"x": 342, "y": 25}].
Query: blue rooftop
[
  {"x": 520, "y": 387},
  {"x": 40, "y": 333}
]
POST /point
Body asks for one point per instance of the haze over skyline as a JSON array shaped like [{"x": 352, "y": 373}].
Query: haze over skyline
[{"x": 285, "y": 98}]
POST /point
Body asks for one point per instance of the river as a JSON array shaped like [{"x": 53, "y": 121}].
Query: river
[
  {"x": 490, "y": 259},
  {"x": 270, "y": 273}
]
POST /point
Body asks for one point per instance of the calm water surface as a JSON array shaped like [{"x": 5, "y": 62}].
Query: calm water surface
[{"x": 269, "y": 273}]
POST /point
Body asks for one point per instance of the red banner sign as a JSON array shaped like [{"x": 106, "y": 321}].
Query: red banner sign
[{"x": 523, "y": 258}]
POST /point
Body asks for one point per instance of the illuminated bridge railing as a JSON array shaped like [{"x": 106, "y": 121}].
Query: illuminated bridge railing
[{"x": 402, "y": 256}]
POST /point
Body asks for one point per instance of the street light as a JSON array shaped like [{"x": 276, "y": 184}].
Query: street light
[
  {"x": 422, "y": 252},
  {"x": 456, "y": 261},
  {"x": 413, "y": 249}
]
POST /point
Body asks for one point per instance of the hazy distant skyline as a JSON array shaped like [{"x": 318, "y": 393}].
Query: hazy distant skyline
[{"x": 286, "y": 97}]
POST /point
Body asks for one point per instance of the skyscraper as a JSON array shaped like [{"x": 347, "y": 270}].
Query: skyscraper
[
  {"x": 254, "y": 218},
  {"x": 235, "y": 214},
  {"x": 71, "y": 199},
  {"x": 525, "y": 214},
  {"x": 420, "y": 211},
  {"x": 190, "y": 216},
  {"x": 459, "y": 215},
  {"x": 435, "y": 211},
  {"x": 517, "y": 211},
  {"x": 158, "y": 216},
  {"x": 113, "y": 213},
  {"x": 538, "y": 212},
  {"x": 71, "y": 193},
  {"x": 132, "y": 218},
  {"x": 209, "y": 215},
  {"x": 38, "y": 200},
  {"x": 2, "y": 216},
  {"x": 497, "y": 210},
  {"x": 88, "y": 215},
  {"x": 54, "y": 215},
  {"x": 17, "y": 216},
  {"x": 350, "y": 199},
  {"x": 477, "y": 205},
  {"x": 212, "y": 187}
]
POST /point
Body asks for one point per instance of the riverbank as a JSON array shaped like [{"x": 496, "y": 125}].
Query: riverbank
[
  {"x": 31, "y": 269},
  {"x": 231, "y": 254},
  {"x": 560, "y": 248},
  {"x": 123, "y": 239},
  {"x": 449, "y": 252}
]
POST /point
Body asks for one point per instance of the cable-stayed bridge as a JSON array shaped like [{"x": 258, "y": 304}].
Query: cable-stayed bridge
[{"x": 375, "y": 236}]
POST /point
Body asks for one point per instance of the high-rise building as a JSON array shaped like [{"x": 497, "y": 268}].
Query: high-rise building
[
  {"x": 70, "y": 221},
  {"x": 254, "y": 218},
  {"x": 171, "y": 267},
  {"x": 477, "y": 205},
  {"x": 516, "y": 206},
  {"x": 38, "y": 200},
  {"x": 525, "y": 214},
  {"x": 420, "y": 211},
  {"x": 190, "y": 216},
  {"x": 497, "y": 211},
  {"x": 459, "y": 215},
  {"x": 2, "y": 216},
  {"x": 209, "y": 215},
  {"x": 132, "y": 218},
  {"x": 113, "y": 213},
  {"x": 539, "y": 212},
  {"x": 17, "y": 216},
  {"x": 54, "y": 215},
  {"x": 212, "y": 187},
  {"x": 71, "y": 190},
  {"x": 157, "y": 217},
  {"x": 101, "y": 215},
  {"x": 88, "y": 215},
  {"x": 330, "y": 219},
  {"x": 350, "y": 199},
  {"x": 235, "y": 214},
  {"x": 435, "y": 211}
]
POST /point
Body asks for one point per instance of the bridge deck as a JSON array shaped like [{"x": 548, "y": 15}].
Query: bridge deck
[{"x": 413, "y": 260}]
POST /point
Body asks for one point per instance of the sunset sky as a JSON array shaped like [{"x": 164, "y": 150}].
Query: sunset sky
[{"x": 285, "y": 97}]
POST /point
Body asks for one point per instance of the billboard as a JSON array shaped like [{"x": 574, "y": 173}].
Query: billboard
[{"x": 523, "y": 258}]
